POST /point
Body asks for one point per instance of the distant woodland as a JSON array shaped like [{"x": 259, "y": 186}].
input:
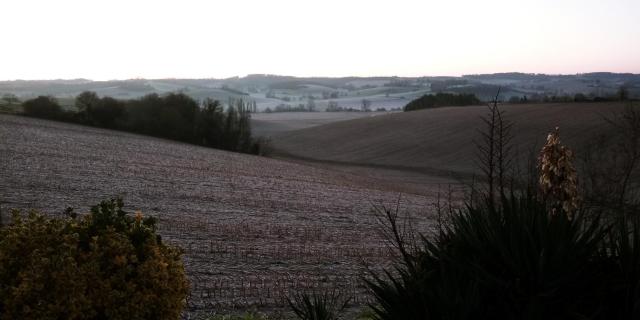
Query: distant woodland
[{"x": 442, "y": 100}]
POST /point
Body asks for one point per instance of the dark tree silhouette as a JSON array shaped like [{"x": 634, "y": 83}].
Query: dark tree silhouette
[
  {"x": 173, "y": 116},
  {"x": 442, "y": 100},
  {"x": 43, "y": 107}
]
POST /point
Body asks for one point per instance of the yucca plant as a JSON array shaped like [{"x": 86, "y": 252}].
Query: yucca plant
[
  {"x": 318, "y": 306},
  {"x": 514, "y": 261},
  {"x": 527, "y": 262},
  {"x": 520, "y": 256}
]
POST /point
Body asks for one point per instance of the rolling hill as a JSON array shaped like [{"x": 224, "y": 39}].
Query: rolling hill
[
  {"x": 253, "y": 229},
  {"x": 439, "y": 141},
  {"x": 268, "y": 124}
]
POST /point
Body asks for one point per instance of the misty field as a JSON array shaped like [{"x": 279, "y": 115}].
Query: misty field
[{"x": 253, "y": 229}]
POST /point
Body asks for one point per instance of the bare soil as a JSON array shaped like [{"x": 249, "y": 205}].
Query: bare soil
[
  {"x": 253, "y": 229},
  {"x": 440, "y": 141},
  {"x": 268, "y": 124}
]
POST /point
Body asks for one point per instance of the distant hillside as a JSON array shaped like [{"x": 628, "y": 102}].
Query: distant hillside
[
  {"x": 269, "y": 124},
  {"x": 271, "y": 91},
  {"x": 439, "y": 140}
]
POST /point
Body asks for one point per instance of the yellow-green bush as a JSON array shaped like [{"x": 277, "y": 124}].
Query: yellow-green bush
[{"x": 104, "y": 265}]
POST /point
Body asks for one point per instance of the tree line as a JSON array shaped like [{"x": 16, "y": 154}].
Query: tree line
[
  {"x": 440, "y": 99},
  {"x": 622, "y": 94},
  {"x": 173, "y": 116}
]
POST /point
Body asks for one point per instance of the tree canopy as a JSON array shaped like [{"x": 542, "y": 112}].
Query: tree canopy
[
  {"x": 428, "y": 101},
  {"x": 173, "y": 116}
]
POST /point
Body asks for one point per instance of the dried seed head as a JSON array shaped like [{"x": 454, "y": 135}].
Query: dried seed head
[
  {"x": 138, "y": 217},
  {"x": 558, "y": 180}
]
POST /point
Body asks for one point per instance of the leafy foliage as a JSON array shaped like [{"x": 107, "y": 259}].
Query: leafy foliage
[{"x": 104, "y": 265}]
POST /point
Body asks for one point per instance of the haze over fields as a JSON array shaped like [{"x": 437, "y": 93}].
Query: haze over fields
[{"x": 271, "y": 91}]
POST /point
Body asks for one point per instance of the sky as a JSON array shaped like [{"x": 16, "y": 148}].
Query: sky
[{"x": 114, "y": 39}]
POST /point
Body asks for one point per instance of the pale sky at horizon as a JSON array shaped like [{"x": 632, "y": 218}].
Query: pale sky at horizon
[{"x": 117, "y": 39}]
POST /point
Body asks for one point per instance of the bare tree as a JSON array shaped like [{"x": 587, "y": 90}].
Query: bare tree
[
  {"x": 332, "y": 106},
  {"x": 366, "y": 105},
  {"x": 494, "y": 150},
  {"x": 623, "y": 93},
  {"x": 311, "y": 104}
]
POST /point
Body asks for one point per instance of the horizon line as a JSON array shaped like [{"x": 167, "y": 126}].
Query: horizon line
[{"x": 326, "y": 77}]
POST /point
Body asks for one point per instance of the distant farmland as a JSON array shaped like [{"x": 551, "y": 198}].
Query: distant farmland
[
  {"x": 268, "y": 124},
  {"x": 253, "y": 228},
  {"x": 440, "y": 141}
]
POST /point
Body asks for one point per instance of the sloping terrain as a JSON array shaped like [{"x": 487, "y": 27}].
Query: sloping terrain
[
  {"x": 253, "y": 228},
  {"x": 268, "y": 124},
  {"x": 440, "y": 141}
]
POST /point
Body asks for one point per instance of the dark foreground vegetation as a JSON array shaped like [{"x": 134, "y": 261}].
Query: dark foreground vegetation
[
  {"x": 174, "y": 116},
  {"x": 517, "y": 260},
  {"x": 429, "y": 101}
]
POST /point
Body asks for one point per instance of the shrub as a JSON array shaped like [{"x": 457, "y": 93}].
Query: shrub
[{"x": 104, "y": 265}]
